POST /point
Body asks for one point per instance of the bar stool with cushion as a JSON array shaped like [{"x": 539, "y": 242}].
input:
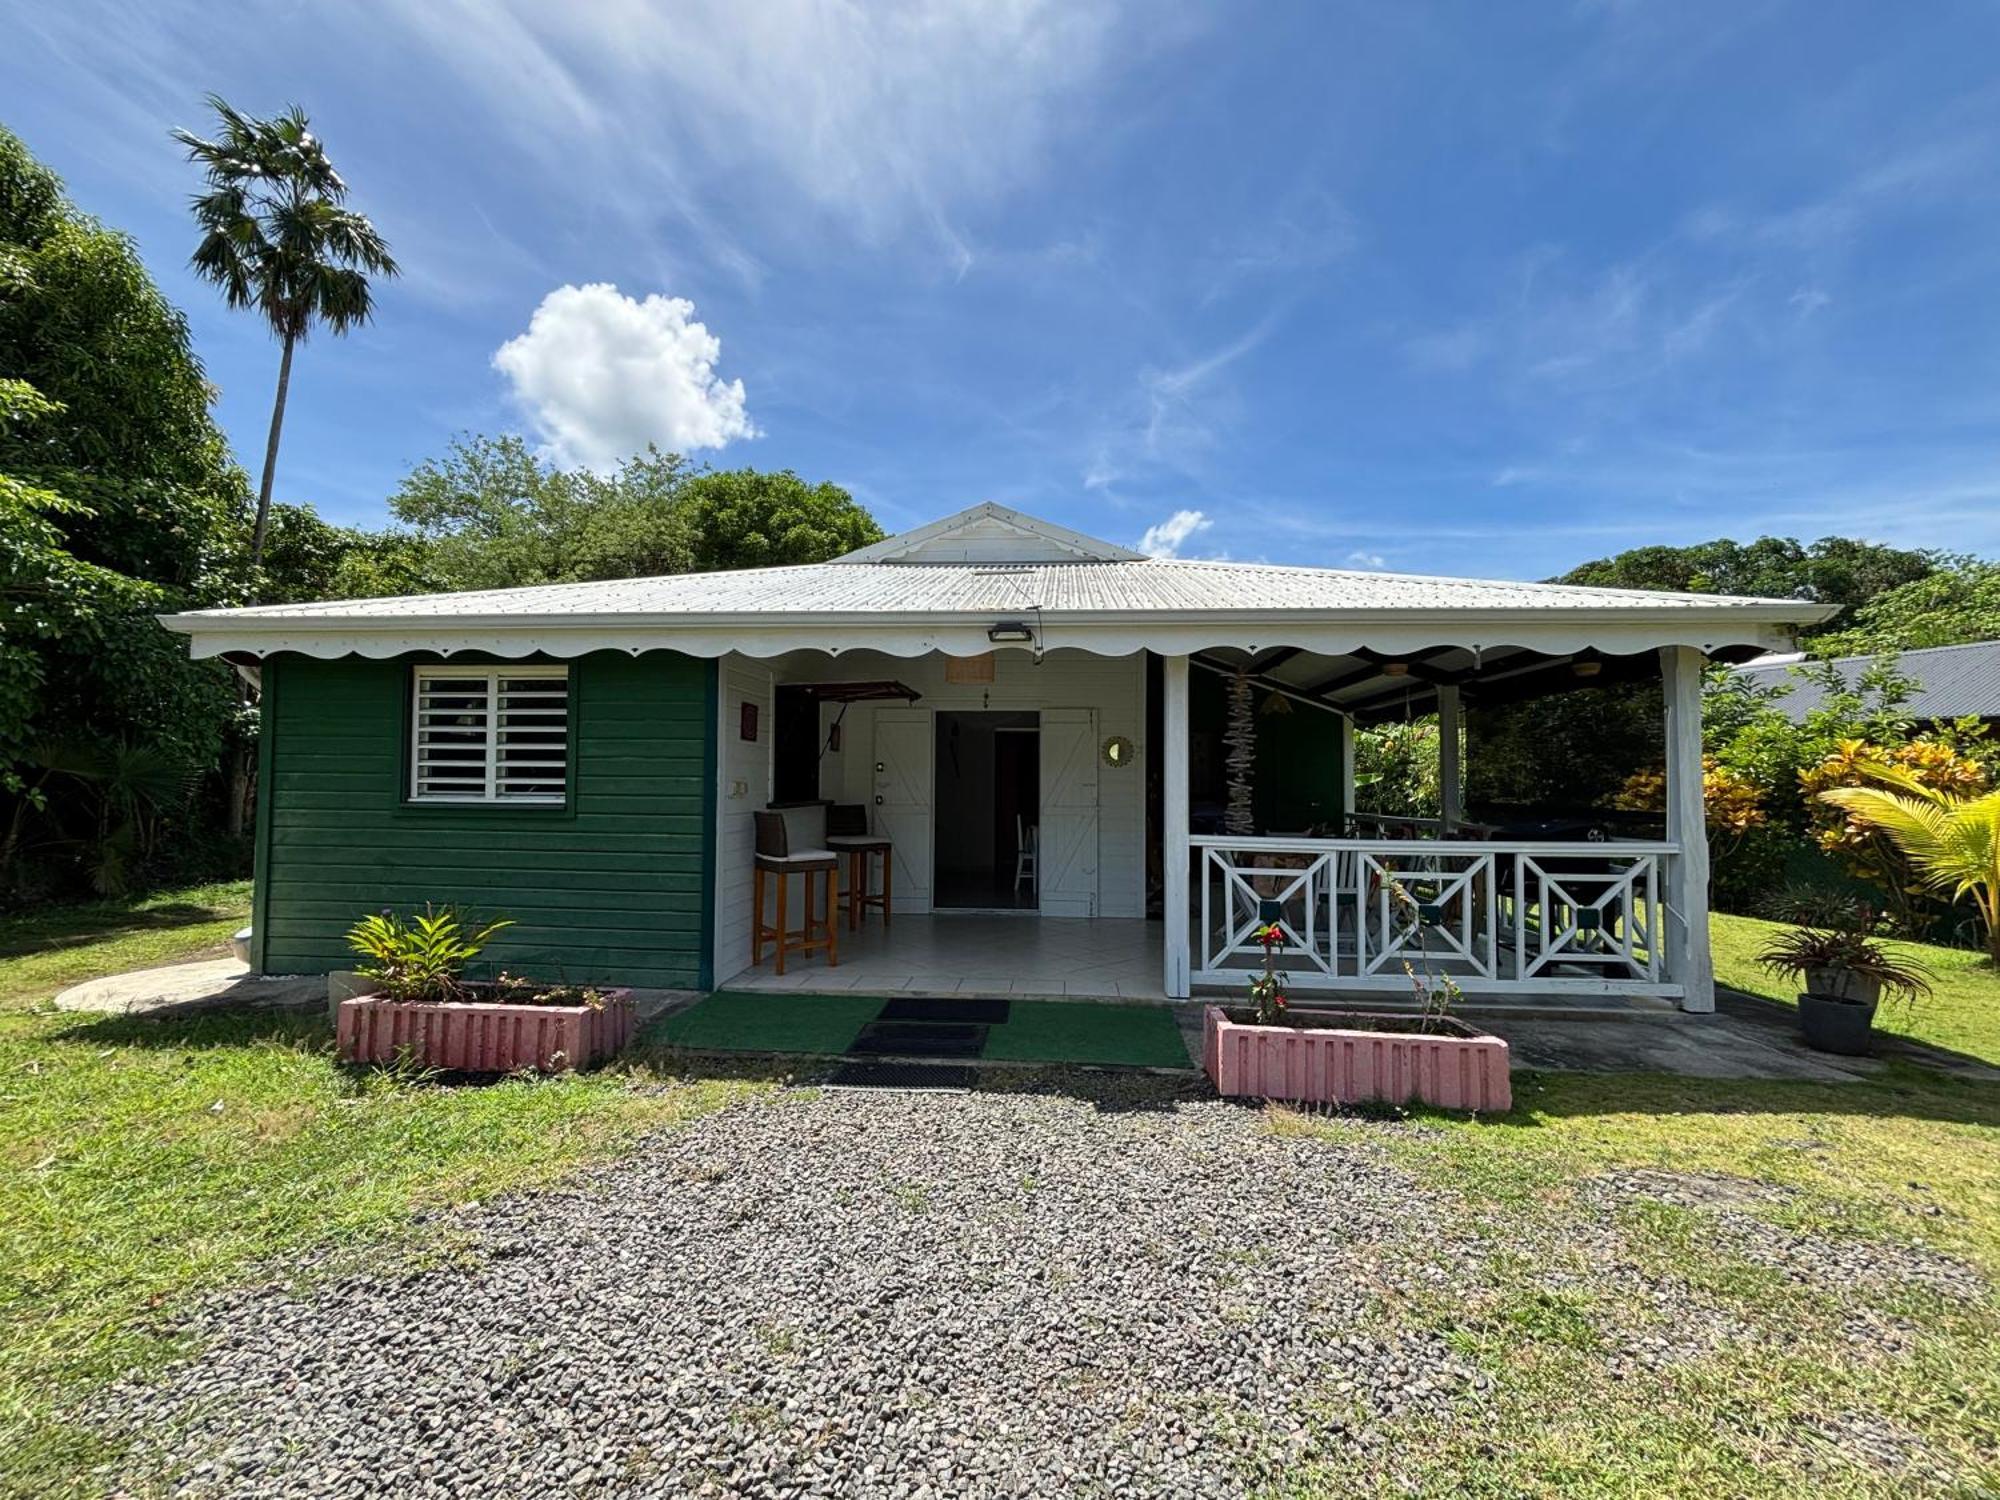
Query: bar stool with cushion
[
  {"x": 847, "y": 834},
  {"x": 792, "y": 841}
]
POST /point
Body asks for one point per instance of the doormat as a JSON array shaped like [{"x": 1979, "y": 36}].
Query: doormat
[
  {"x": 917, "y": 1039},
  {"x": 966, "y": 1012},
  {"x": 832, "y": 1025},
  {"x": 915, "y": 1078}
]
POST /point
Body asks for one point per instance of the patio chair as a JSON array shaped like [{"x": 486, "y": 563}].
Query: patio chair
[
  {"x": 792, "y": 841},
  {"x": 1027, "y": 855},
  {"x": 847, "y": 834}
]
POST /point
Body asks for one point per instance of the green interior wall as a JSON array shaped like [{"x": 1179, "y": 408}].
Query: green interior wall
[
  {"x": 1298, "y": 776},
  {"x": 612, "y": 888}
]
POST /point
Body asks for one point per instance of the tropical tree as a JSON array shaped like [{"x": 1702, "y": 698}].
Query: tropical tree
[
  {"x": 118, "y": 498},
  {"x": 277, "y": 237},
  {"x": 1951, "y": 840},
  {"x": 1957, "y": 604},
  {"x": 740, "y": 518},
  {"x": 1833, "y": 570}
]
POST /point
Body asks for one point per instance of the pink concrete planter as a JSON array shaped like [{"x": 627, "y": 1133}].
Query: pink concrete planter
[
  {"x": 481, "y": 1036},
  {"x": 1451, "y": 1067}
]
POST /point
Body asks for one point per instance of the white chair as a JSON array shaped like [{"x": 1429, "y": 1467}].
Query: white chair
[{"x": 1026, "y": 849}]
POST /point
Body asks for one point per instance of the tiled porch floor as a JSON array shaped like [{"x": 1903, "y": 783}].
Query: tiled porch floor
[{"x": 1105, "y": 958}]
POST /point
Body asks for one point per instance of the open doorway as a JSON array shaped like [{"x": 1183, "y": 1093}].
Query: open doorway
[{"x": 985, "y": 808}]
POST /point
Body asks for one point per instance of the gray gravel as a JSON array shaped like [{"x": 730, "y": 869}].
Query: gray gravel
[
  {"x": 1115, "y": 1287},
  {"x": 1137, "y": 1291}
]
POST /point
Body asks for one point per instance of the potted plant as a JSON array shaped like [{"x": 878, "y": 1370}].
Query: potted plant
[
  {"x": 1270, "y": 1049},
  {"x": 1843, "y": 974},
  {"x": 421, "y": 1008}
]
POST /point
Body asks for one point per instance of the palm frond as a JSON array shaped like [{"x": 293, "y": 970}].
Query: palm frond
[{"x": 276, "y": 236}]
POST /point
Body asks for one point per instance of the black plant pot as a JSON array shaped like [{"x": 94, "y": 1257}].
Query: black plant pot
[{"x": 1846, "y": 1027}]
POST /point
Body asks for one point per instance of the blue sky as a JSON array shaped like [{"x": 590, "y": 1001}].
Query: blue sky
[{"x": 1463, "y": 288}]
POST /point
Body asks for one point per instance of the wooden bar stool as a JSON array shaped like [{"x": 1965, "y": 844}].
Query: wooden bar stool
[
  {"x": 847, "y": 833},
  {"x": 777, "y": 856}
]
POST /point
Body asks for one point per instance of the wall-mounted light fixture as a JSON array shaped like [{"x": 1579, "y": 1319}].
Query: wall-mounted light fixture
[
  {"x": 1586, "y": 668},
  {"x": 1010, "y": 632},
  {"x": 1395, "y": 669}
]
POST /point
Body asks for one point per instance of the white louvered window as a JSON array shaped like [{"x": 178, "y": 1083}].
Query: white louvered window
[{"x": 490, "y": 734}]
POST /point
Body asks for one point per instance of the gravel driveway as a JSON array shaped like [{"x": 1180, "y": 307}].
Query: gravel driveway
[
  {"x": 1113, "y": 1286},
  {"x": 1131, "y": 1290}
]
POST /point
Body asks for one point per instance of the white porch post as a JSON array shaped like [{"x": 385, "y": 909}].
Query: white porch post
[
  {"x": 1688, "y": 957},
  {"x": 1174, "y": 821},
  {"x": 1346, "y": 770},
  {"x": 1451, "y": 783}
]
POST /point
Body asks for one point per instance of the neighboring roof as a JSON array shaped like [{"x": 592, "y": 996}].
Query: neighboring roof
[
  {"x": 898, "y": 597},
  {"x": 991, "y": 533},
  {"x": 1951, "y": 681}
]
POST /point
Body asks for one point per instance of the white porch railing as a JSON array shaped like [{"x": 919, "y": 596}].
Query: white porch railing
[{"x": 1498, "y": 917}]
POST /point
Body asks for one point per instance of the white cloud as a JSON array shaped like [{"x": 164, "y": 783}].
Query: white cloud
[
  {"x": 1167, "y": 538},
  {"x": 1362, "y": 559},
  {"x": 601, "y": 375}
]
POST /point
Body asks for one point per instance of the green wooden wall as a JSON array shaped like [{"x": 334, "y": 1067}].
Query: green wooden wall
[
  {"x": 614, "y": 888},
  {"x": 1298, "y": 771}
]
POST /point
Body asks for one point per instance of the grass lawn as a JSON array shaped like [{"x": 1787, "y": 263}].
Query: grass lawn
[
  {"x": 143, "y": 1162},
  {"x": 1837, "y": 1378},
  {"x": 1963, "y": 1014}
]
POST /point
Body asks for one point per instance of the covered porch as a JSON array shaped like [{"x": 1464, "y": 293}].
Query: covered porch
[
  {"x": 1553, "y": 902},
  {"x": 1146, "y": 891}
]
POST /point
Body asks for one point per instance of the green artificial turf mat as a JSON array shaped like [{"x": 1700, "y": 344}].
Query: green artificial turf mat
[
  {"x": 1051, "y": 1031},
  {"x": 1140, "y": 1036},
  {"x": 740, "y": 1022}
]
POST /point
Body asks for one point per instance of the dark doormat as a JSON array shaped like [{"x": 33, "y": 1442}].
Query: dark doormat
[
  {"x": 917, "y": 1039},
  {"x": 966, "y": 1012},
  {"x": 941, "y": 1078}
]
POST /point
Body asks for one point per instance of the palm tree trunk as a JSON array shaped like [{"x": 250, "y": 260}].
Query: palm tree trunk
[{"x": 271, "y": 456}]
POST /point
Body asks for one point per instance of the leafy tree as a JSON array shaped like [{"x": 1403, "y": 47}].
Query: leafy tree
[
  {"x": 117, "y": 498},
  {"x": 491, "y": 514},
  {"x": 276, "y": 236},
  {"x": 739, "y": 518},
  {"x": 1396, "y": 768},
  {"x": 1957, "y": 604},
  {"x": 1832, "y": 570}
]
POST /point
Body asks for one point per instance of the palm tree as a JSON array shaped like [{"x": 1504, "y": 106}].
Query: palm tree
[
  {"x": 276, "y": 237},
  {"x": 1951, "y": 841}
]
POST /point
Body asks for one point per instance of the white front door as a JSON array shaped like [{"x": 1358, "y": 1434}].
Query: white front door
[
  {"x": 1069, "y": 812},
  {"x": 903, "y": 757}
]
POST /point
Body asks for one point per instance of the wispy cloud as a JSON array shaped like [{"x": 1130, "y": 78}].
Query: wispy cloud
[
  {"x": 1166, "y": 538},
  {"x": 885, "y": 119}
]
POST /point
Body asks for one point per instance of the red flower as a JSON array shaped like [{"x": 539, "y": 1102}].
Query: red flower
[{"x": 1271, "y": 936}]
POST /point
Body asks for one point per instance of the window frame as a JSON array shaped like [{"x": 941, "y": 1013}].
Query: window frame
[{"x": 490, "y": 800}]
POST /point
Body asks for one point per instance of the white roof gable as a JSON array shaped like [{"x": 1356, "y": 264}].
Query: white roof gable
[{"x": 989, "y": 533}]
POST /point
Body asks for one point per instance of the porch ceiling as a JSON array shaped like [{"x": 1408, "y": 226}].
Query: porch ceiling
[{"x": 1375, "y": 685}]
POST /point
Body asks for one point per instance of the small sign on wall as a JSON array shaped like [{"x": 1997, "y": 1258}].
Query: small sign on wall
[
  {"x": 748, "y": 729},
  {"x": 969, "y": 669}
]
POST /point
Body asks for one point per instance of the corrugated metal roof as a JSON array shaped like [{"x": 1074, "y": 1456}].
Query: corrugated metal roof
[
  {"x": 1951, "y": 681},
  {"x": 1146, "y": 586}
]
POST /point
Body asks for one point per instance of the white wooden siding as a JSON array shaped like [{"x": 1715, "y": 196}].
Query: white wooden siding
[
  {"x": 1114, "y": 686},
  {"x": 743, "y": 784}
]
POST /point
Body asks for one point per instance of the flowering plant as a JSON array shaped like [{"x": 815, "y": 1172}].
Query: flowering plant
[{"x": 1268, "y": 989}]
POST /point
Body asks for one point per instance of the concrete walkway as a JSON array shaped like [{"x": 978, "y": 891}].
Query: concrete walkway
[
  {"x": 217, "y": 983},
  {"x": 210, "y": 983}
]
